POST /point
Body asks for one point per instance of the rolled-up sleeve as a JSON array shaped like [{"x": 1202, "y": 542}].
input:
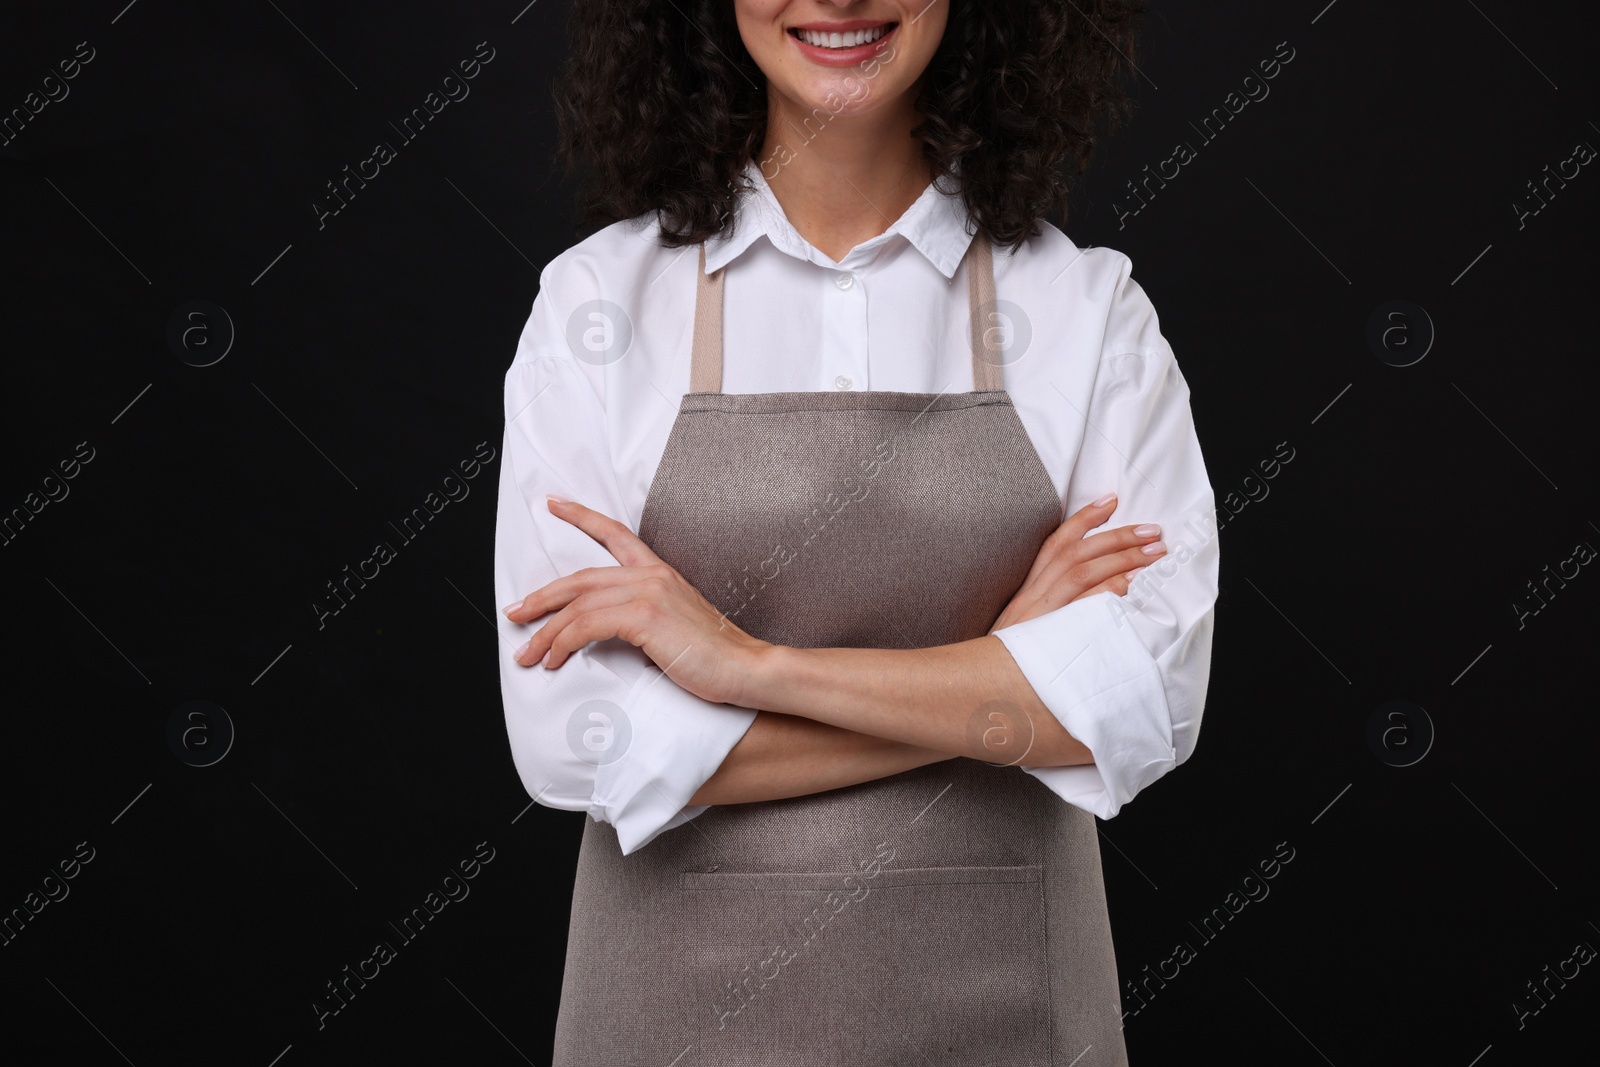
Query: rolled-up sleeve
[
  {"x": 1127, "y": 676},
  {"x": 606, "y": 732}
]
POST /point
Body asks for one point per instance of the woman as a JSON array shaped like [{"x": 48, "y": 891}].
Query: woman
[{"x": 788, "y": 446}]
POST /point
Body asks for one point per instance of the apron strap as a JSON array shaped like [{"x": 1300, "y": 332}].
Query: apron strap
[
  {"x": 705, "y": 360},
  {"x": 980, "y": 309}
]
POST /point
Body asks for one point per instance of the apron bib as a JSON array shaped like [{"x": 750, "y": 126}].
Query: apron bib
[{"x": 952, "y": 915}]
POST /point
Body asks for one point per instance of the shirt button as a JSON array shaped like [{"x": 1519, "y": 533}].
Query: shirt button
[
  {"x": 844, "y": 281},
  {"x": 842, "y": 381}
]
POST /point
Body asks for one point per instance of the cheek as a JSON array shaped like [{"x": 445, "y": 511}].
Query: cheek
[
  {"x": 758, "y": 23},
  {"x": 918, "y": 40}
]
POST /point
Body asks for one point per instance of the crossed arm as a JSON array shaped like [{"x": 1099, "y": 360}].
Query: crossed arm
[{"x": 833, "y": 717}]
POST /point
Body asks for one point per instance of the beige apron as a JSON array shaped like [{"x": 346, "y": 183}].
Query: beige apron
[{"x": 952, "y": 915}]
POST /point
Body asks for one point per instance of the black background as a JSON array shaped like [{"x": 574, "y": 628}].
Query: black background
[{"x": 371, "y": 755}]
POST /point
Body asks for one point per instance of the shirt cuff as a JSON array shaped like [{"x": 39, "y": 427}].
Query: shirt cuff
[
  {"x": 1095, "y": 675},
  {"x": 675, "y": 741}
]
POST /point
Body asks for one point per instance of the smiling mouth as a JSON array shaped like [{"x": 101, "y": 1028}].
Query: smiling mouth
[{"x": 842, "y": 41}]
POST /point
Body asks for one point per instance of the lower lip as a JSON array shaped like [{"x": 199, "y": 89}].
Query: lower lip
[{"x": 843, "y": 57}]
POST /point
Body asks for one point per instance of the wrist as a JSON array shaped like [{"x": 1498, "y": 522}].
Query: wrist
[{"x": 761, "y": 669}]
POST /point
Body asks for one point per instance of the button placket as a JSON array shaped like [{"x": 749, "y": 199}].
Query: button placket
[{"x": 844, "y": 334}]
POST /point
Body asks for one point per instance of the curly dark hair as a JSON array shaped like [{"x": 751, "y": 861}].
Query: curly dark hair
[{"x": 659, "y": 107}]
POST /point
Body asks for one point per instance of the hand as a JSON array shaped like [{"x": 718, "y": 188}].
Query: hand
[
  {"x": 646, "y": 603},
  {"x": 1070, "y": 566}
]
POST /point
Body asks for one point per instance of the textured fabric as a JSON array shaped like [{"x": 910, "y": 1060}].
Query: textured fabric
[
  {"x": 879, "y": 498},
  {"x": 593, "y": 391},
  {"x": 954, "y": 914}
]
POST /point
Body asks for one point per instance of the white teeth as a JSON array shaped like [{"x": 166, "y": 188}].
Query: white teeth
[{"x": 842, "y": 40}]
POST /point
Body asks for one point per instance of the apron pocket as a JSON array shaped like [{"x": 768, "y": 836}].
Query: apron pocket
[{"x": 942, "y": 965}]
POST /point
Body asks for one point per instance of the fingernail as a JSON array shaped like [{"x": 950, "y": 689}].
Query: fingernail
[
  {"x": 509, "y": 608},
  {"x": 557, "y": 499},
  {"x": 1154, "y": 549},
  {"x": 517, "y": 655},
  {"x": 1103, "y": 501},
  {"x": 1149, "y": 529}
]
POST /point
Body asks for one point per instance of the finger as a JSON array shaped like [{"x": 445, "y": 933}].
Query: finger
[
  {"x": 1099, "y": 556},
  {"x": 1117, "y": 583},
  {"x": 623, "y": 620},
  {"x": 1108, "y": 541},
  {"x": 620, "y": 541},
  {"x": 1070, "y": 532},
  {"x": 563, "y": 590},
  {"x": 1086, "y": 518},
  {"x": 546, "y": 637},
  {"x": 1122, "y": 537},
  {"x": 1091, "y": 573}
]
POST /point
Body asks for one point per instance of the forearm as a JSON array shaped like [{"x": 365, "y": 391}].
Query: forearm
[
  {"x": 962, "y": 699},
  {"x": 789, "y": 756}
]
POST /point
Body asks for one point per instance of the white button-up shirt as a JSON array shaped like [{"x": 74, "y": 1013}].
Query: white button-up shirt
[{"x": 594, "y": 390}]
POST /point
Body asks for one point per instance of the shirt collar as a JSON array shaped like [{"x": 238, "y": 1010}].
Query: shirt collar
[{"x": 935, "y": 224}]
